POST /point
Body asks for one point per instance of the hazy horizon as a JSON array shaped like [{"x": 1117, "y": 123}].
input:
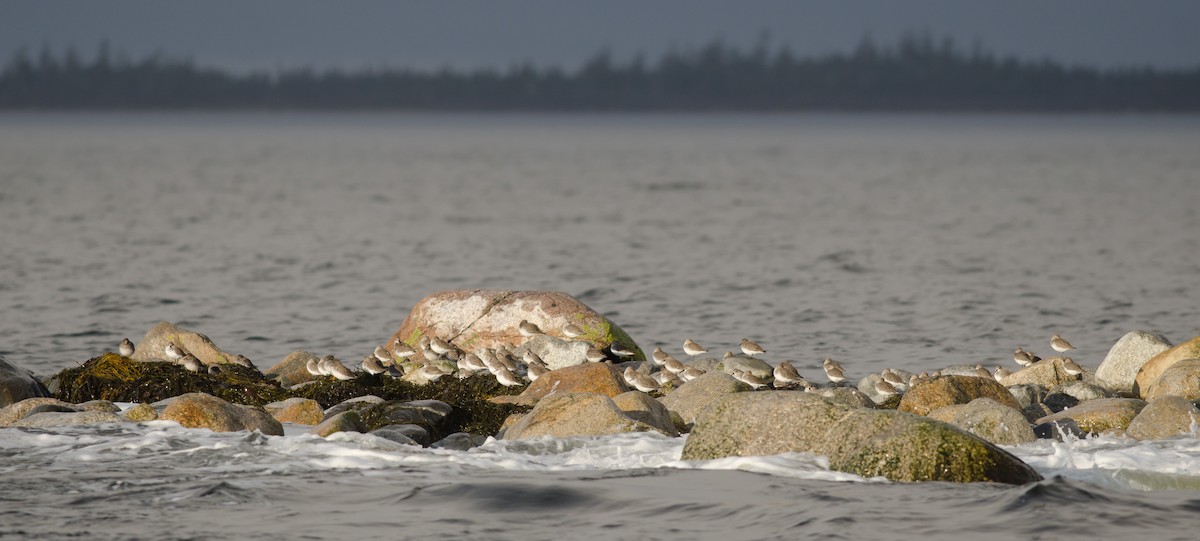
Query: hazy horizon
[{"x": 469, "y": 34}]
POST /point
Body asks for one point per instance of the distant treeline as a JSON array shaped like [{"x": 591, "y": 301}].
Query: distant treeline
[{"x": 916, "y": 73}]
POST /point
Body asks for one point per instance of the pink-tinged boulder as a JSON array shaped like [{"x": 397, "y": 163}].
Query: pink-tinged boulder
[
  {"x": 199, "y": 410},
  {"x": 153, "y": 344},
  {"x": 596, "y": 378},
  {"x": 942, "y": 391},
  {"x": 485, "y": 318},
  {"x": 1154, "y": 368}
]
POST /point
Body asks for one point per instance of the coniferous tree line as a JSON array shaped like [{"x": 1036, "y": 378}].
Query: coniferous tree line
[{"x": 916, "y": 73}]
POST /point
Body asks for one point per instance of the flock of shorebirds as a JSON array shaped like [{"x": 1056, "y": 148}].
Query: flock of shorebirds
[{"x": 434, "y": 358}]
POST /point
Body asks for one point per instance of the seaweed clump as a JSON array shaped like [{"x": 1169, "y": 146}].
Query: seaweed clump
[{"x": 120, "y": 379}]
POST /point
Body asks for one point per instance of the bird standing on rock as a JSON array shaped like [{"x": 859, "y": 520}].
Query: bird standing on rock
[
  {"x": 1058, "y": 344},
  {"x": 786, "y": 374},
  {"x": 752, "y": 380},
  {"x": 751, "y": 348},
  {"x": 834, "y": 371},
  {"x": 527, "y": 329},
  {"x": 191, "y": 363},
  {"x": 658, "y": 356},
  {"x": 594, "y": 355},
  {"x": 507, "y": 378},
  {"x": 372, "y": 365},
  {"x": 382, "y": 354},
  {"x": 1023, "y": 358},
  {"x": 572, "y": 331},
  {"x": 174, "y": 352},
  {"x": 620, "y": 350},
  {"x": 126, "y": 348},
  {"x": 692, "y": 349},
  {"x": 1071, "y": 367},
  {"x": 244, "y": 362}
]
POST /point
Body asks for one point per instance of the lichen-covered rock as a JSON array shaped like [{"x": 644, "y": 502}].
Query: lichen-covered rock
[
  {"x": 1100, "y": 416},
  {"x": 346, "y": 421},
  {"x": 1164, "y": 418},
  {"x": 556, "y": 352},
  {"x": 293, "y": 369},
  {"x": 989, "y": 420},
  {"x": 1046, "y": 372},
  {"x": 643, "y": 407},
  {"x": 13, "y": 412},
  {"x": 1154, "y": 368},
  {"x": 477, "y": 318},
  {"x": 691, "y": 399},
  {"x": 757, "y": 367},
  {"x": 75, "y": 418},
  {"x": 1120, "y": 367},
  {"x": 564, "y": 415},
  {"x": 98, "y": 405},
  {"x": 942, "y": 391},
  {"x": 300, "y": 411},
  {"x": 1180, "y": 379},
  {"x": 199, "y": 410},
  {"x": 17, "y": 384},
  {"x": 597, "y": 378},
  {"x": 152, "y": 345},
  {"x": 140, "y": 413},
  {"x": 867, "y": 442}
]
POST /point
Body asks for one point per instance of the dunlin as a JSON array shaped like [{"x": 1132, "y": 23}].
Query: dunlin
[
  {"x": 753, "y": 381},
  {"x": 430, "y": 355},
  {"x": 620, "y": 350},
  {"x": 491, "y": 361},
  {"x": 312, "y": 368},
  {"x": 473, "y": 362},
  {"x": 531, "y": 358},
  {"x": 439, "y": 346},
  {"x": 215, "y": 369},
  {"x": 982, "y": 372},
  {"x": 751, "y": 348},
  {"x": 382, "y": 354},
  {"x": 692, "y": 349},
  {"x": 690, "y": 373},
  {"x": 372, "y": 365},
  {"x": 786, "y": 374},
  {"x": 1022, "y": 357},
  {"x": 629, "y": 374},
  {"x": 572, "y": 331},
  {"x": 126, "y": 348},
  {"x": 658, "y": 356},
  {"x": 1071, "y": 367},
  {"x": 244, "y": 362},
  {"x": 884, "y": 388},
  {"x": 423, "y": 342},
  {"x": 337, "y": 369},
  {"x": 1058, "y": 344},
  {"x": 644, "y": 383},
  {"x": 834, "y": 371},
  {"x": 191, "y": 363},
  {"x": 431, "y": 372},
  {"x": 1001, "y": 373},
  {"x": 403, "y": 350},
  {"x": 536, "y": 371},
  {"x": 507, "y": 360},
  {"x": 528, "y": 329},
  {"x": 892, "y": 377},
  {"x": 174, "y": 352},
  {"x": 507, "y": 378},
  {"x": 672, "y": 365},
  {"x": 594, "y": 355}
]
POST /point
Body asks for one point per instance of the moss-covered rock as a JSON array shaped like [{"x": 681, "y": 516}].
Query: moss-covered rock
[
  {"x": 942, "y": 391},
  {"x": 690, "y": 399},
  {"x": 199, "y": 410},
  {"x": 867, "y": 442},
  {"x": 1154, "y": 368},
  {"x": 989, "y": 420},
  {"x": 1100, "y": 416},
  {"x": 475, "y": 318}
]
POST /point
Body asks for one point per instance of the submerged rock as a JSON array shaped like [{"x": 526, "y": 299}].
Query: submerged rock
[
  {"x": 867, "y": 442},
  {"x": 404, "y": 433},
  {"x": 140, "y": 413},
  {"x": 565, "y": 415},
  {"x": 694, "y": 396},
  {"x": 73, "y": 418},
  {"x": 1180, "y": 379},
  {"x": 199, "y": 410},
  {"x": 486, "y": 318},
  {"x": 1100, "y": 416},
  {"x": 346, "y": 421},
  {"x": 17, "y": 384},
  {"x": 989, "y": 420},
  {"x": 1165, "y": 417},
  {"x": 14, "y": 412},
  {"x": 151, "y": 346},
  {"x": 301, "y": 411},
  {"x": 459, "y": 441},
  {"x": 1119, "y": 370},
  {"x": 1154, "y": 368},
  {"x": 942, "y": 391}
]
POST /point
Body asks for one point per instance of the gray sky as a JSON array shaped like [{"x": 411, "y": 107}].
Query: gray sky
[{"x": 284, "y": 33}]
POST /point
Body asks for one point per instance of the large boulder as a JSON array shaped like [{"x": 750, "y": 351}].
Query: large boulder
[
  {"x": 1100, "y": 416},
  {"x": 556, "y": 352},
  {"x": 1163, "y": 418},
  {"x": 75, "y": 418},
  {"x": 16, "y": 411},
  {"x": 486, "y": 318},
  {"x": 693, "y": 397},
  {"x": 293, "y": 369},
  {"x": 17, "y": 384},
  {"x": 942, "y": 391},
  {"x": 867, "y": 442},
  {"x": 756, "y": 367},
  {"x": 199, "y": 410},
  {"x": 152, "y": 345},
  {"x": 642, "y": 407},
  {"x": 1120, "y": 367},
  {"x": 989, "y": 420},
  {"x": 1180, "y": 379},
  {"x": 1154, "y": 368},
  {"x": 1046, "y": 372},
  {"x": 564, "y": 415},
  {"x": 600, "y": 378},
  {"x": 301, "y": 411}
]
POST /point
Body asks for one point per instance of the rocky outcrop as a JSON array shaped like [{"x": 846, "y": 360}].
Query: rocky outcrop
[
  {"x": 199, "y": 410},
  {"x": 479, "y": 318},
  {"x": 1100, "y": 416},
  {"x": 1180, "y": 379},
  {"x": 300, "y": 411},
  {"x": 564, "y": 415},
  {"x": 694, "y": 396},
  {"x": 642, "y": 407},
  {"x": 989, "y": 420},
  {"x": 293, "y": 369},
  {"x": 1046, "y": 372},
  {"x": 17, "y": 384},
  {"x": 597, "y": 378},
  {"x": 1164, "y": 418},
  {"x": 1120, "y": 367},
  {"x": 1154, "y": 368},
  {"x": 867, "y": 442},
  {"x": 151, "y": 346},
  {"x": 943, "y": 391}
]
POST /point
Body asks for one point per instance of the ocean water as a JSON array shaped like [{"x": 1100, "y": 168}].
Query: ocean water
[{"x": 913, "y": 242}]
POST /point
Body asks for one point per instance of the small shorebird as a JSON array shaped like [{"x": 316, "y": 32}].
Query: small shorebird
[
  {"x": 692, "y": 349},
  {"x": 536, "y": 371},
  {"x": 126, "y": 348},
  {"x": 531, "y": 358},
  {"x": 191, "y": 363},
  {"x": 215, "y": 369},
  {"x": 1058, "y": 344},
  {"x": 594, "y": 355},
  {"x": 884, "y": 388},
  {"x": 786, "y": 374},
  {"x": 473, "y": 362},
  {"x": 572, "y": 331},
  {"x": 174, "y": 352},
  {"x": 1001, "y": 373},
  {"x": 313, "y": 368},
  {"x": 628, "y": 375},
  {"x": 244, "y": 362},
  {"x": 431, "y": 372},
  {"x": 658, "y": 356},
  {"x": 372, "y": 365},
  {"x": 644, "y": 383},
  {"x": 752, "y": 380},
  {"x": 620, "y": 350},
  {"x": 439, "y": 346},
  {"x": 751, "y": 348},
  {"x": 338, "y": 370},
  {"x": 690, "y": 373},
  {"x": 983, "y": 372},
  {"x": 672, "y": 365},
  {"x": 382, "y": 354},
  {"x": 834, "y": 371},
  {"x": 1022, "y": 357},
  {"x": 892, "y": 377},
  {"x": 507, "y": 378},
  {"x": 402, "y": 350},
  {"x": 1071, "y": 367},
  {"x": 528, "y": 329}
]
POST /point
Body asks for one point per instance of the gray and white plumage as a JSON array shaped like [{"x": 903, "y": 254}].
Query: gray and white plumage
[
  {"x": 751, "y": 348},
  {"x": 125, "y": 348}
]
